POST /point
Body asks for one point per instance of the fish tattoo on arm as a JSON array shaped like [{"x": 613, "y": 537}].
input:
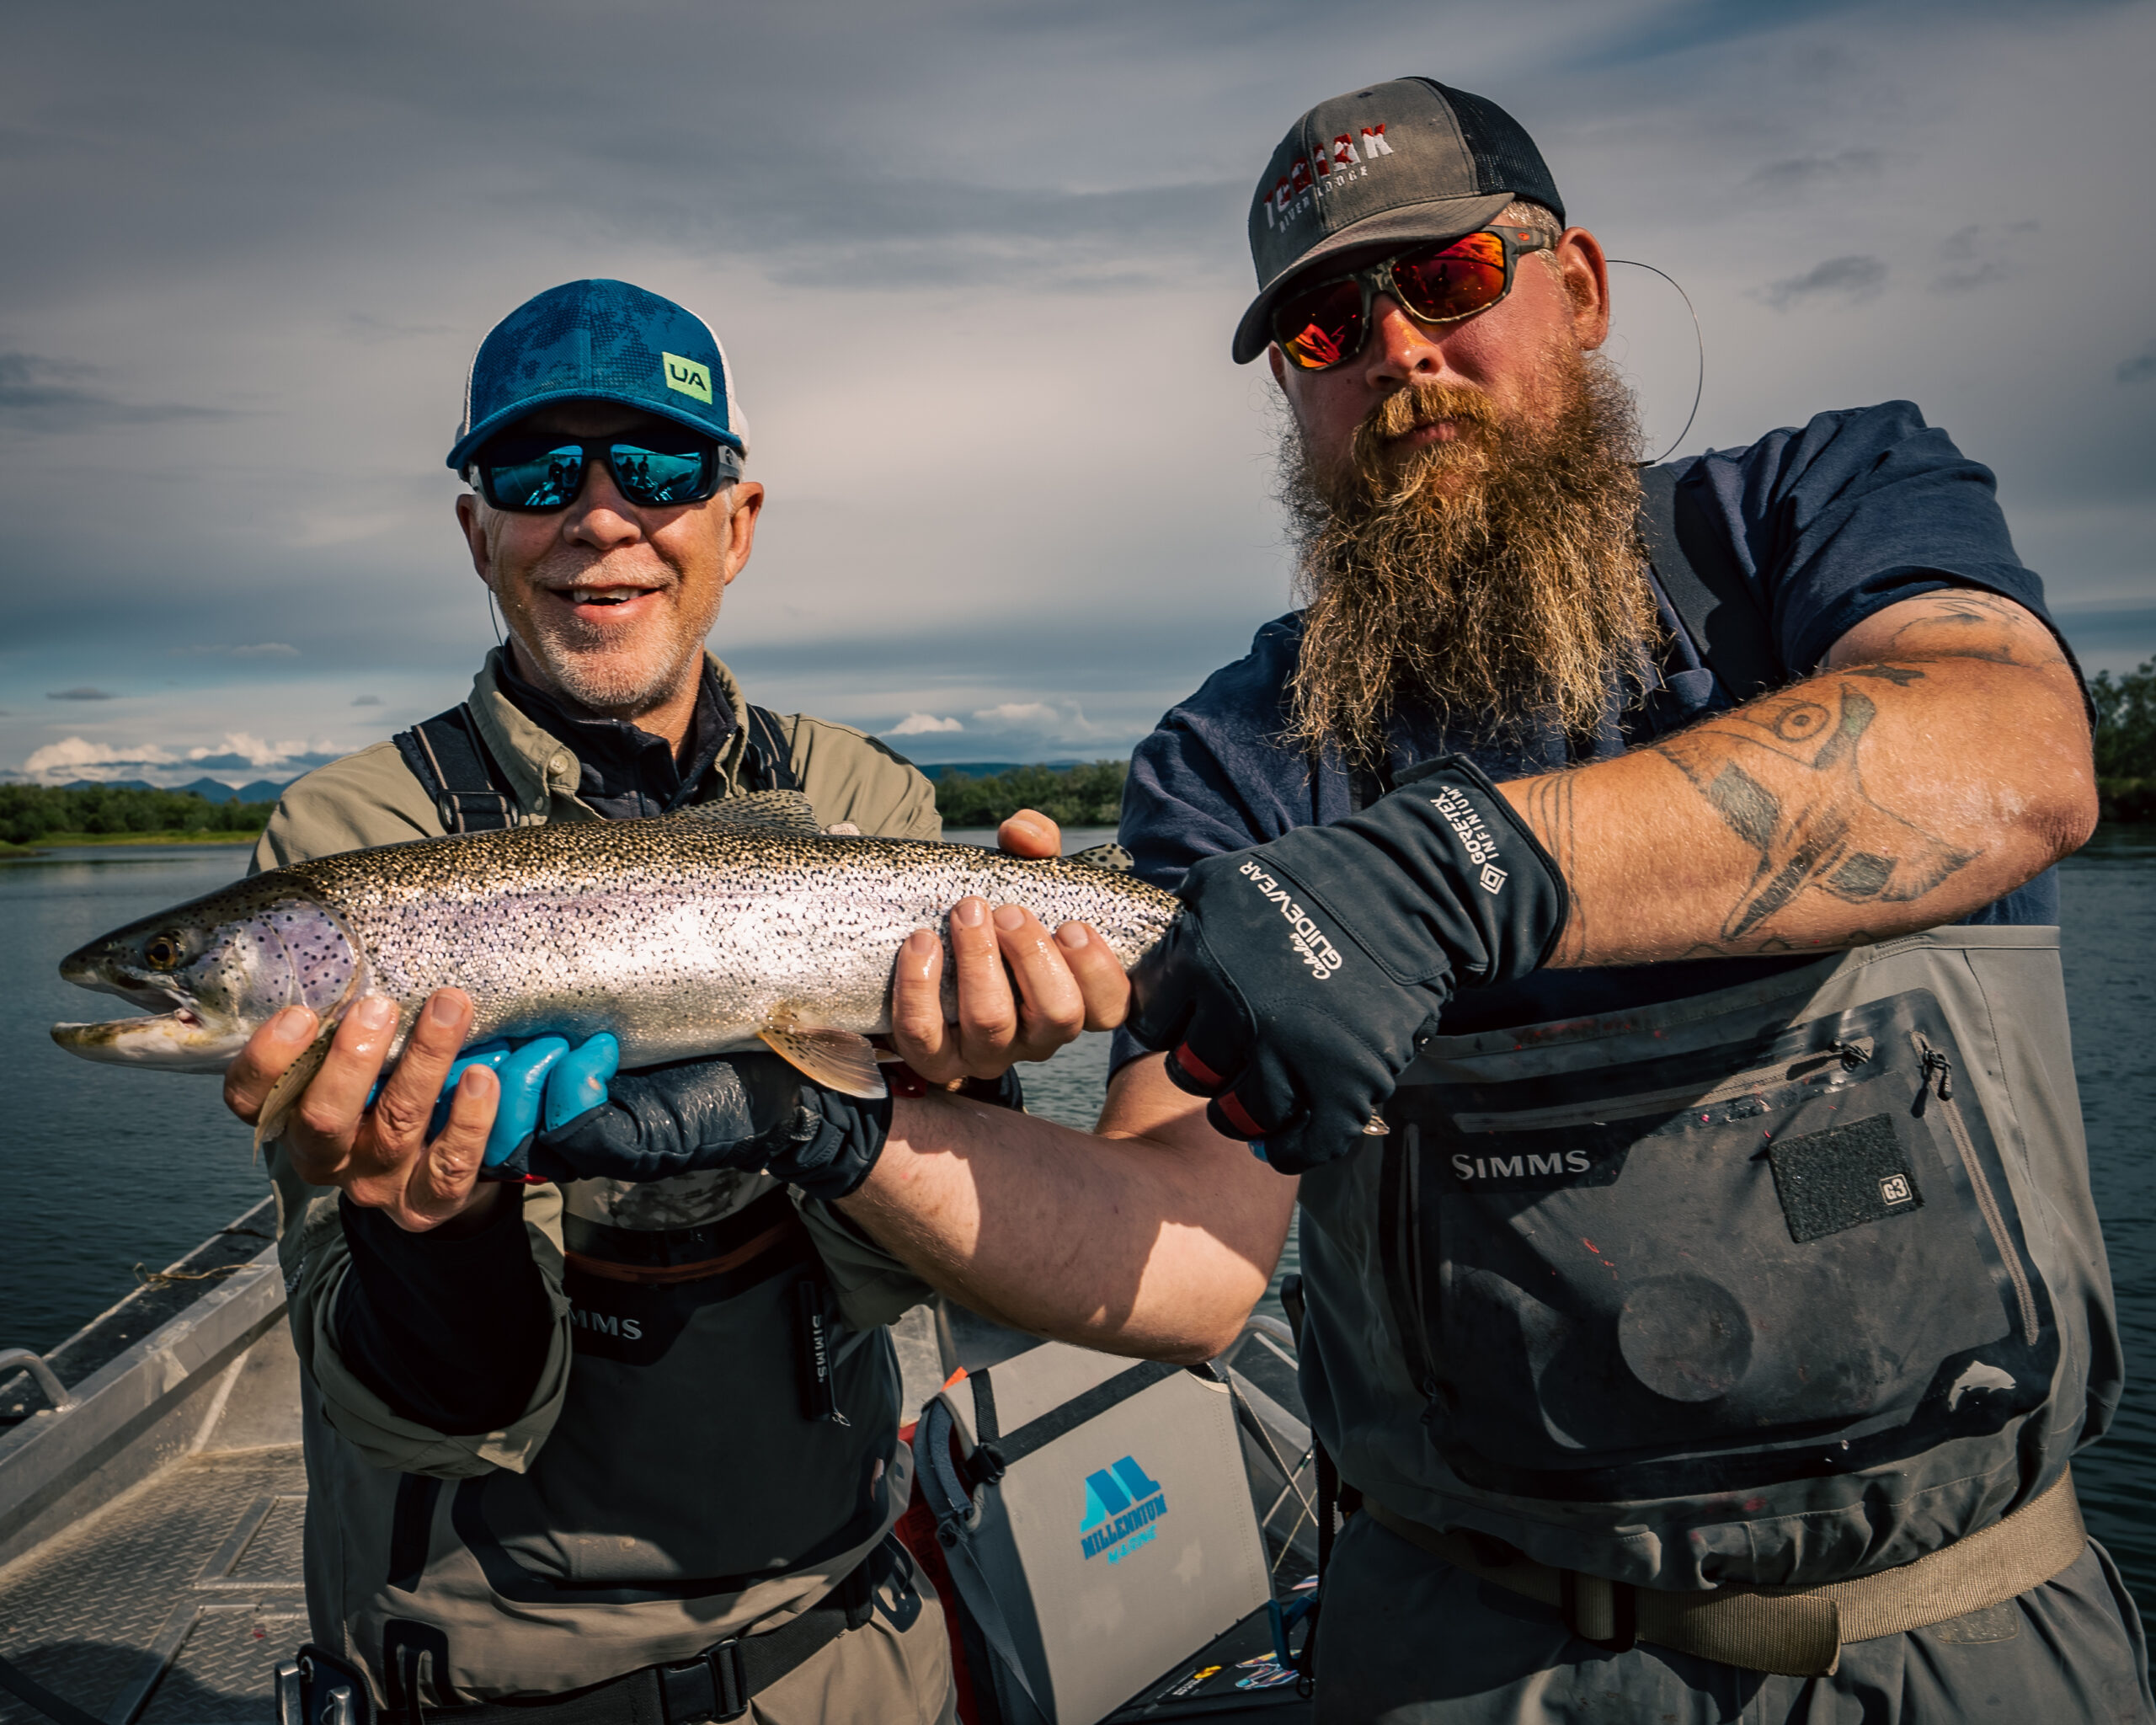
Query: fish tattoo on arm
[{"x": 1783, "y": 776}]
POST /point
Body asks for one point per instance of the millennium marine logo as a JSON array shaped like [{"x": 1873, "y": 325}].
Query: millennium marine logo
[{"x": 1122, "y": 1505}]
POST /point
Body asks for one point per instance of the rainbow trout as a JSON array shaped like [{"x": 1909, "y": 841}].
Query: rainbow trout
[{"x": 731, "y": 925}]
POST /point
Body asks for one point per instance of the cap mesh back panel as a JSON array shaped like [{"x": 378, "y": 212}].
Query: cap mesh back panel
[{"x": 1505, "y": 156}]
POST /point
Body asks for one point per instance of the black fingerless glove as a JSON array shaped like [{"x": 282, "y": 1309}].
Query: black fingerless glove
[
  {"x": 751, "y": 1112},
  {"x": 1304, "y": 975}
]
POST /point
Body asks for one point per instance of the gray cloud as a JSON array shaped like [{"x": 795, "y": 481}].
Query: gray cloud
[
  {"x": 254, "y": 650},
  {"x": 977, "y": 266},
  {"x": 47, "y": 395},
  {"x": 1853, "y": 279},
  {"x": 1980, "y": 256},
  {"x": 366, "y": 701},
  {"x": 303, "y": 761},
  {"x": 1799, "y": 176},
  {"x": 81, "y": 692}
]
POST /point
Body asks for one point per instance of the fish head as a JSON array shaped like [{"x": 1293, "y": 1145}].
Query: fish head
[{"x": 210, "y": 974}]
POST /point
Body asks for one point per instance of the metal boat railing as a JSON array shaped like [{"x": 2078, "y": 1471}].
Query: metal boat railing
[{"x": 48, "y": 1381}]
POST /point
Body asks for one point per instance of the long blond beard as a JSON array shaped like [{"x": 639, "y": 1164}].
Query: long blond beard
[{"x": 1494, "y": 580}]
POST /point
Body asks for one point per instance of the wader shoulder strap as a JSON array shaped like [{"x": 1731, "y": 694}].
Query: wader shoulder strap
[
  {"x": 450, "y": 759},
  {"x": 1706, "y": 588},
  {"x": 770, "y": 762}
]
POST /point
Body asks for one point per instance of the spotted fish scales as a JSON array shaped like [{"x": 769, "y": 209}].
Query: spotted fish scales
[{"x": 730, "y": 926}]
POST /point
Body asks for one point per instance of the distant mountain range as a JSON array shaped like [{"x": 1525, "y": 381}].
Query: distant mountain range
[
  {"x": 932, "y": 771},
  {"x": 211, "y": 790},
  {"x": 263, "y": 790}
]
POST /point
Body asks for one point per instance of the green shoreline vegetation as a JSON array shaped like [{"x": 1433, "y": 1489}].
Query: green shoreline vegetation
[
  {"x": 35, "y": 815},
  {"x": 1087, "y": 795},
  {"x": 2125, "y": 743},
  {"x": 1090, "y": 795}
]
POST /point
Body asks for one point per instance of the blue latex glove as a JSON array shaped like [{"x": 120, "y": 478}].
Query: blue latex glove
[{"x": 544, "y": 1076}]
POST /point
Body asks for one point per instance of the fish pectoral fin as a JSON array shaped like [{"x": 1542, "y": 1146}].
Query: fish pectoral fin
[
  {"x": 1108, "y": 856},
  {"x": 277, "y": 1106},
  {"x": 838, "y": 1059},
  {"x": 760, "y": 811}
]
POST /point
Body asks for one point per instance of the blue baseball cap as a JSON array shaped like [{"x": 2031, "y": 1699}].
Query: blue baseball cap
[{"x": 600, "y": 340}]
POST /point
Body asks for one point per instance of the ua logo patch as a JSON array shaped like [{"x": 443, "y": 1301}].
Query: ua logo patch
[
  {"x": 1122, "y": 1504},
  {"x": 691, "y": 376}
]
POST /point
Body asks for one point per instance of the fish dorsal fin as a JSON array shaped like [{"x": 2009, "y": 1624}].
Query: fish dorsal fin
[
  {"x": 759, "y": 811},
  {"x": 1108, "y": 856},
  {"x": 838, "y": 1059}
]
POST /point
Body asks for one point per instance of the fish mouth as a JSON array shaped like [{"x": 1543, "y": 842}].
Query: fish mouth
[
  {"x": 186, "y": 1039},
  {"x": 101, "y": 975}
]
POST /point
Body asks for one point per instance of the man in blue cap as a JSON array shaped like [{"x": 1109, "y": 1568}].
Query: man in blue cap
[{"x": 633, "y": 1442}]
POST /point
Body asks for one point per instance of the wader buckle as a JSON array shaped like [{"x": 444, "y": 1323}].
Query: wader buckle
[
  {"x": 318, "y": 1688},
  {"x": 713, "y": 1686},
  {"x": 1604, "y": 1614}
]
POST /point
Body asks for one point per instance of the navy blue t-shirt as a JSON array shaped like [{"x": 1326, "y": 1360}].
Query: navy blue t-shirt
[{"x": 1859, "y": 510}]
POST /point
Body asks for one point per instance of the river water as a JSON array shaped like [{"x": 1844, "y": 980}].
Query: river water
[{"x": 102, "y": 1168}]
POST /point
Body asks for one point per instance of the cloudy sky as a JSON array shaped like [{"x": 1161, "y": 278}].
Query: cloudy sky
[{"x": 977, "y": 266}]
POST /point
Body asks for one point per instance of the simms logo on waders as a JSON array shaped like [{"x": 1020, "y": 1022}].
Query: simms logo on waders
[
  {"x": 690, "y": 377},
  {"x": 1122, "y": 1504},
  {"x": 605, "y": 1323},
  {"x": 1307, "y": 938}
]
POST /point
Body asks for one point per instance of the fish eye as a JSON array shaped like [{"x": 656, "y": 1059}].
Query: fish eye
[{"x": 163, "y": 951}]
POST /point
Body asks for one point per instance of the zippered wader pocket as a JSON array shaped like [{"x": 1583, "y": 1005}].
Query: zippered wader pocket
[{"x": 1787, "y": 1254}]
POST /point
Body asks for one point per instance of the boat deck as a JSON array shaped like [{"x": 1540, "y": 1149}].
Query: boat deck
[
  {"x": 174, "y": 1605},
  {"x": 150, "y": 1527}
]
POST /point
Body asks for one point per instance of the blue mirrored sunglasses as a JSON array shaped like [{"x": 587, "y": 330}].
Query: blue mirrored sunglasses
[{"x": 536, "y": 475}]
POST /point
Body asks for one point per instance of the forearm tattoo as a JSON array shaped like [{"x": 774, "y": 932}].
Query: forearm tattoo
[
  {"x": 1547, "y": 804},
  {"x": 1783, "y": 776},
  {"x": 1965, "y": 623}
]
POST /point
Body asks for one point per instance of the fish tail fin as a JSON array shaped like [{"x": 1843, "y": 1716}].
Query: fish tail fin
[
  {"x": 838, "y": 1059},
  {"x": 277, "y": 1106}
]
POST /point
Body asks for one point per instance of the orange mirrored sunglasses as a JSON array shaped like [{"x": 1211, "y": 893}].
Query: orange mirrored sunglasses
[{"x": 1325, "y": 324}]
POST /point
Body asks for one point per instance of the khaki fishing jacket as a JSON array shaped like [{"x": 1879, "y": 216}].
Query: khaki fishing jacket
[{"x": 371, "y": 797}]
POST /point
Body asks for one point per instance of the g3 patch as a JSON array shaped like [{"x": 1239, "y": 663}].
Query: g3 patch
[
  {"x": 1830, "y": 1181},
  {"x": 691, "y": 376}
]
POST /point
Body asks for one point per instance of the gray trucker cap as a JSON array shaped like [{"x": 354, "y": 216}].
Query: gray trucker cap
[{"x": 1409, "y": 160}]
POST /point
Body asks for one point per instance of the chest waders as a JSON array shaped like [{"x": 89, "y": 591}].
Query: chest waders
[
  {"x": 449, "y": 756},
  {"x": 1765, "y": 1288},
  {"x": 727, "y": 1450}
]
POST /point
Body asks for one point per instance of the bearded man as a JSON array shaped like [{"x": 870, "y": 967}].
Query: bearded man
[
  {"x": 1625, "y": 903},
  {"x": 1645, "y": 1265}
]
